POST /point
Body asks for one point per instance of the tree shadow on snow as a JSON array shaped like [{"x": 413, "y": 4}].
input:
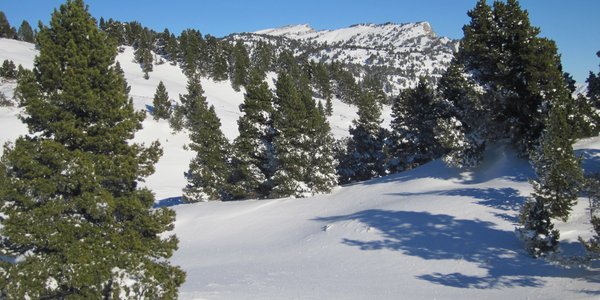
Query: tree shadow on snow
[
  {"x": 443, "y": 237},
  {"x": 508, "y": 200},
  {"x": 168, "y": 202}
]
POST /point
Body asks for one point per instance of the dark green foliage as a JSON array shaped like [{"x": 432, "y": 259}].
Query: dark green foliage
[
  {"x": 516, "y": 68},
  {"x": 143, "y": 52},
  {"x": 69, "y": 191},
  {"x": 8, "y": 70},
  {"x": 254, "y": 157},
  {"x": 303, "y": 143},
  {"x": 593, "y": 91},
  {"x": 461, "y": 124},
  {"x": 412, "y": 140},
  {"x": 322, "y": 81},
  {"x": 241, "y": 64},
  {"x": 218, "y": 53},
  {"x": 559, "y": 176},
  {"x": 208, "y": 172},
  {"x": 26, "y": 33},
  {"x": 161, "y": 103},
  {"x": 262, "y": 58},
  {"x": 537, "y": 231},
  {"x": 364, "y": 158},
  {"x": 6, "y": 31},
  {"x": 190, "y": 46}
]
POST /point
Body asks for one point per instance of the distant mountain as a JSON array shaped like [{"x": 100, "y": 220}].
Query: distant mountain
[{"x": 397, "y": 53}]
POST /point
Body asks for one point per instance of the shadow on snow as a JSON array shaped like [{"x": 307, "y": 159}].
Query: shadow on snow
[
  {"x": 443, "y": 237},
  {"x": 168, "y": 202}
]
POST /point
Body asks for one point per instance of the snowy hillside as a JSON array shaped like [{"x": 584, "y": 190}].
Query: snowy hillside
[
  {"x": 399, "y": 53},
  {"x": 431, "y": 233},
  {"x": 175, "y": 159}
]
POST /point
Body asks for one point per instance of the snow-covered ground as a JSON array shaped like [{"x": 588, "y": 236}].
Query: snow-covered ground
[{"x": 430, "y": 233}]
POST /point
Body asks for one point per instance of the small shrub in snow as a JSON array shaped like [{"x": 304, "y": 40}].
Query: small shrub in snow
[{"x": 537, "y": 232}]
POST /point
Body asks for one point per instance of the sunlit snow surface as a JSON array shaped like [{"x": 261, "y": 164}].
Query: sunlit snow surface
[{"x": 430, "y": 233}]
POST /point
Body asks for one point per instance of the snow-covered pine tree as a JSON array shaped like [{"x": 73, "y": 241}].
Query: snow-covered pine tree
[
  {"x": 291, "y": 141},
  {"x": 321, "y": 174},
  {"x": 593, "y": 90},
  {"x": 412, "y": 140},
  {"x": 253, "y": 160},
  {"x": 72, "y": 211},
  {"x": 516, "y": 69},
  {"x": 559, "y": 175},
  {"x": 191, "y": 44},
  {"x": 241, "y": 64},
  {"x": 537, "y": 231},
  {"x": 460, "y": 127},
  {"x": 161, "y": 103},
  {"x": 592, "y": 189},
  {"x": 208, "y": 171},
  {"x": 364, "y": 158}
]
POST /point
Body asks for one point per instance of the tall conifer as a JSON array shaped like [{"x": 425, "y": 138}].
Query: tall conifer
[{"x": 73, "y": 212}]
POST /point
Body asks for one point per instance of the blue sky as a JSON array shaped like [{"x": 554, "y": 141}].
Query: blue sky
[{"x": 574, "y": 25}]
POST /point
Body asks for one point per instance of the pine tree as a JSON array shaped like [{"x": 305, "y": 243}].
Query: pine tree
[
  {"x": 254, "y": 157},
  {"x": 262, "y": 58},
  {"x": 592, "y": 189},
  {"x": 537, "y": 231},
  {"x": 559, "y": 176},
  {"x": 190, "y": 44},
  {"x": 161, "y": 103},
  {"x": 460, "y": 127},
  {"x": 412, "y": 141},
  {"x": 364, "y": 158},
  {"x": 208, "y": 172},
  {"x": 26, "y": 33},
  {"x": 143, "y": 53},
  {"x": 241, "y": 64},
  {"x": 6, "y": 31},
  {"x": 72, "y": 211},
  {"x": 515, "y": 69},
  {"x": 593, "y": 90},
  {"x": 8, "y": 70},
  {"x": 290, "y": 141}
]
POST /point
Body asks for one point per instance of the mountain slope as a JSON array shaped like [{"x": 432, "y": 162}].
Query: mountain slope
[
  {"x": 398, "y": 54},
  {"x": 433, "y": 232}
]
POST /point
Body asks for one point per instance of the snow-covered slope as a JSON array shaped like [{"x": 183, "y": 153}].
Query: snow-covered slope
[
  {"x": 175, "y": 159},
  {"x": 431, "y": 233}
]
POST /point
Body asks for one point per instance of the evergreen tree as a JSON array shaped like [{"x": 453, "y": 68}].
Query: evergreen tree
[
  {"x": 161, "y": 103},
  {"x": 72, "y": 211},
  {"x": 537, "y": 230},
  {"x": 559, "y": 176},
  {"x": 190, "y": 42},
  {"x": 412, "y": 141},
  {"x": 262, "y": 58},
  {"x": 6, "y": 31},
  {"x": 303, "y": 143},
  {"x": 515, "y": 68},
  {"x": 254, "y": 157},
  {"x": 322, "y": 81},
  {"x": 218, "y": 54},
  {"x": 593, "y": 90},
  {"x": 364, "y": 158},
  {"x": 208, "y": 172},
  {"x": 143, "y": 53},
  {"x": 26, "y": 33},
  {"x": 592, "y": 188},
  {"x": 8, "y": 70},
  {"x": 290, "y": 141},
  {"x": 460, "y": 127},
  {"x": 241, "y": 64}
]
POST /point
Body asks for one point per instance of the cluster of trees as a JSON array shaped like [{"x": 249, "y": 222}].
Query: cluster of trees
[
  {"x": 285, "y": 147},
  {"x": 24, "y": 33},
  {"x": 75, "y": 224}
]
